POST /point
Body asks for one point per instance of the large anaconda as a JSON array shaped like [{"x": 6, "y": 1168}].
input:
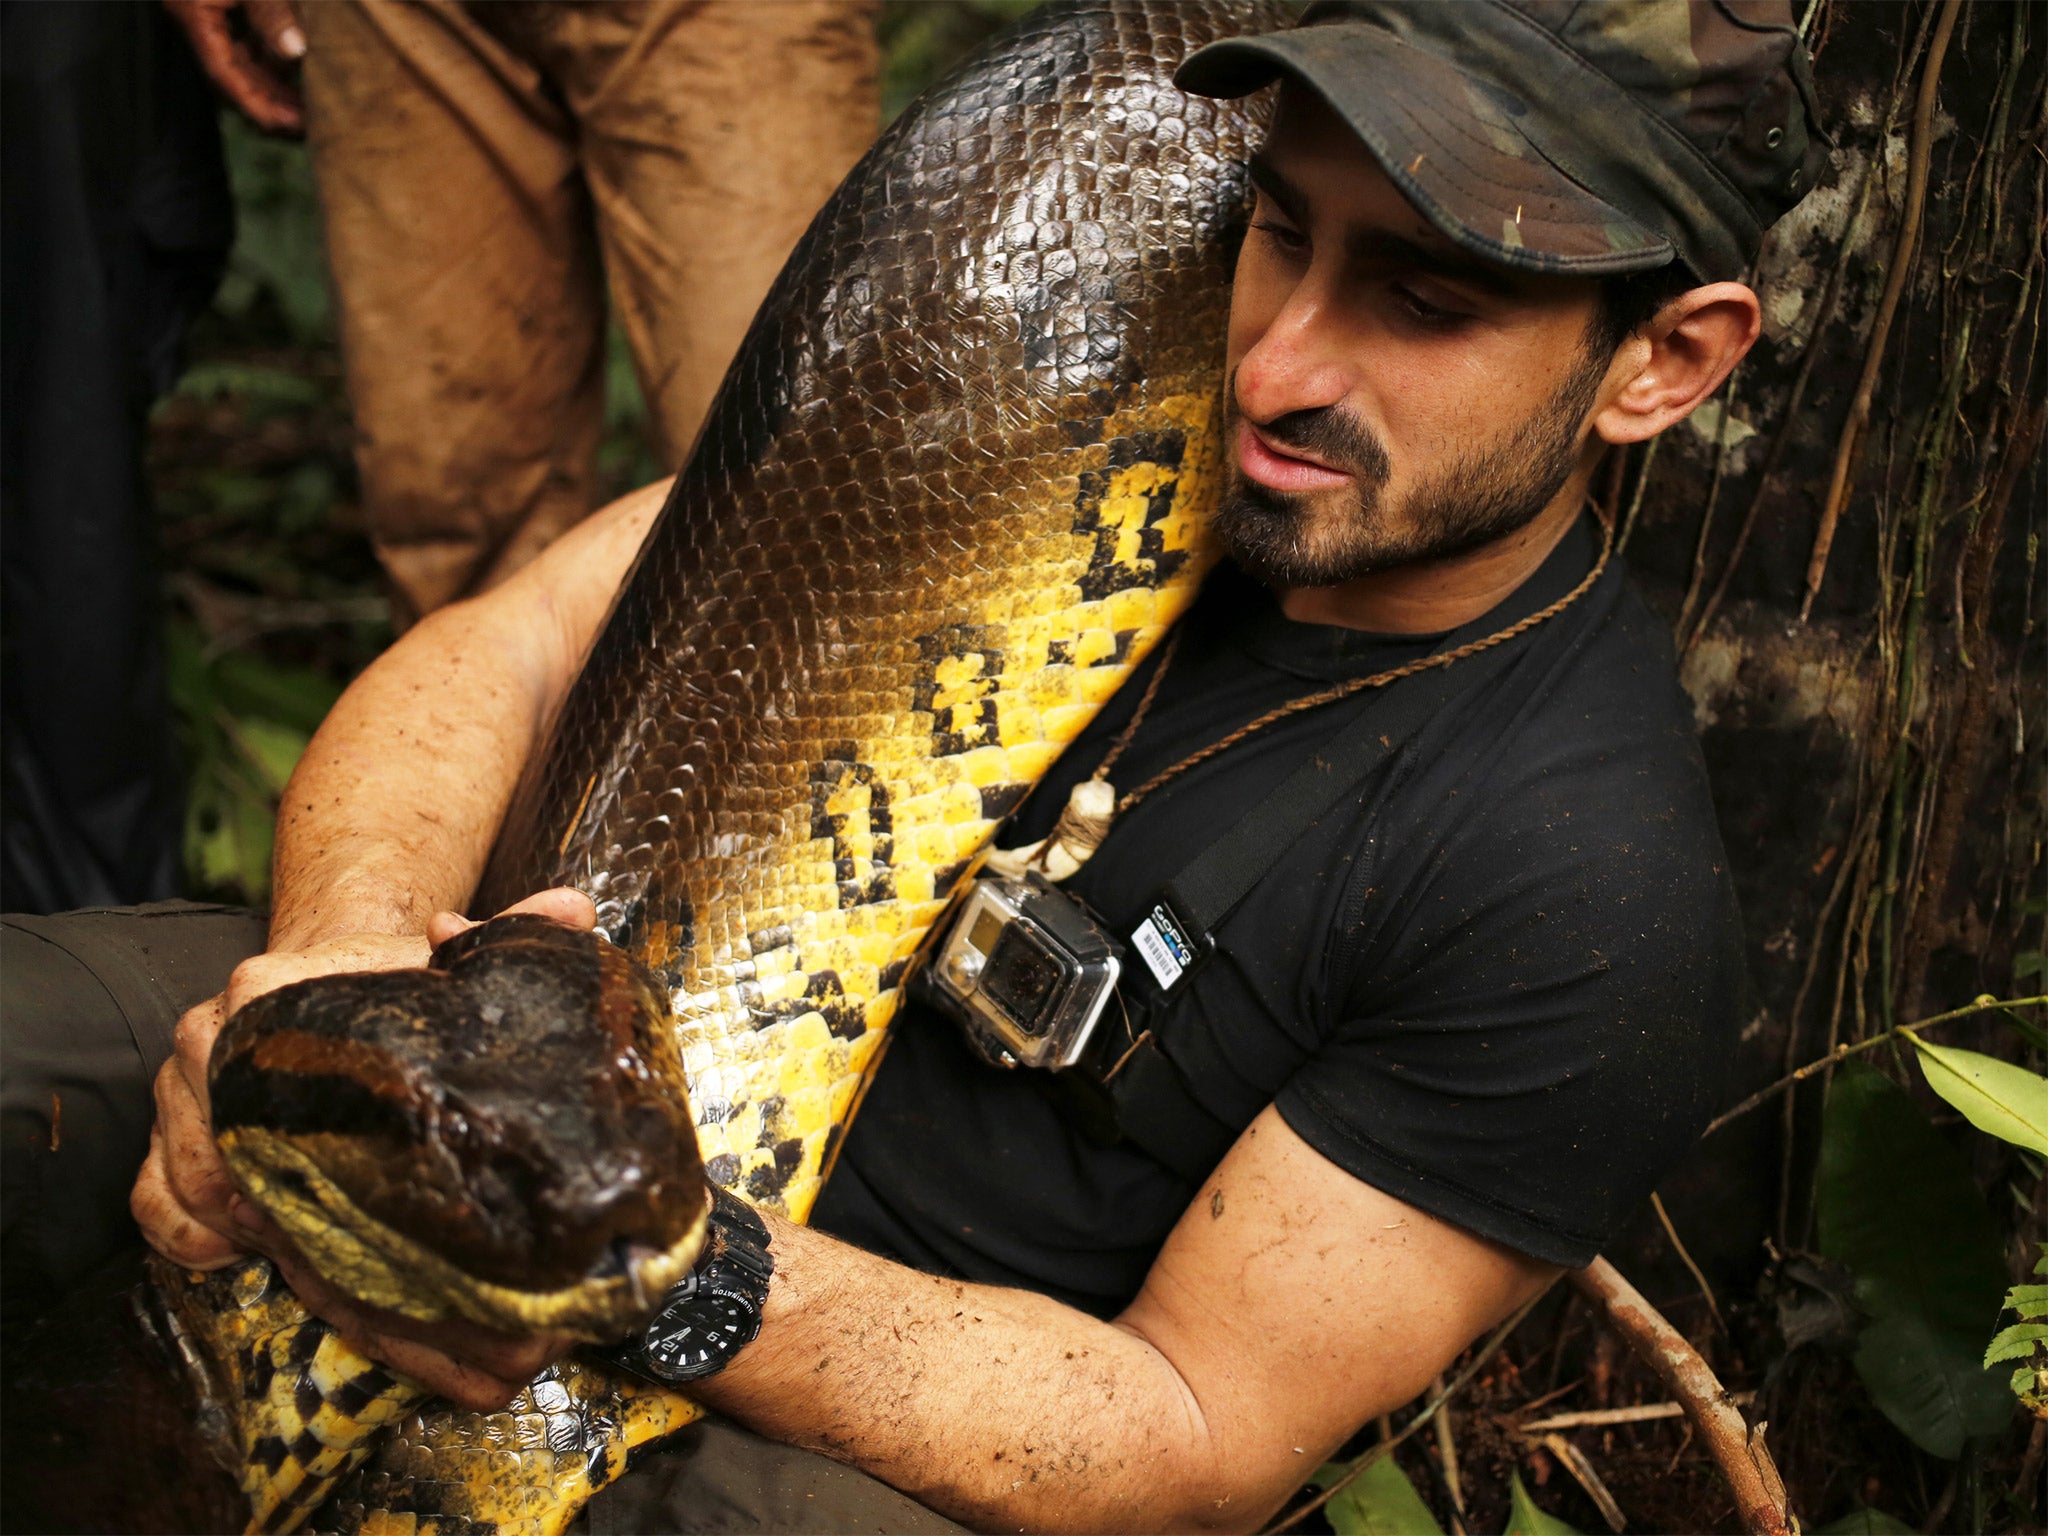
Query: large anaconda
[{"x": 951, "y": 492}]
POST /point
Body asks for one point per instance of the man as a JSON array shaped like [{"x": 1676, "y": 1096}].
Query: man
[{"x": 1447, "y": 1042}]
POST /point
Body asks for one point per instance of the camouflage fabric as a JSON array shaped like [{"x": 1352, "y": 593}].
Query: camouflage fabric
[{"x": 1559, "y": 135}]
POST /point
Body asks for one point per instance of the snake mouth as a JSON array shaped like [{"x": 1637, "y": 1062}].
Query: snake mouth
[
  {"x": 383, "y": 1267},
  {"x": 504, "y": 1137}
]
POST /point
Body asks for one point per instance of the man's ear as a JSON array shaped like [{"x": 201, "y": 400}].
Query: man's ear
[{"x": 1666, "y": 369}]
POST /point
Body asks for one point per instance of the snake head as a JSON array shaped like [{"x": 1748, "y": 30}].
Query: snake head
[{"x": 503, "y": 1137}]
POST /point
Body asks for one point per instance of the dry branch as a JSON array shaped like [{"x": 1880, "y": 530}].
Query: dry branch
[
  {"x": 1841, "y": 1052},
  {"x": 1685, "y": 1257},
  {"x": 1737, "y": 1450},
  {"x": 1608, "y": 1418},
  {"x": 1575, "y": 1461}
]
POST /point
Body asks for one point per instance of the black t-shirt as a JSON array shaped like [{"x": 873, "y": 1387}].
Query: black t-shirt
[{"x": 1502, "y": 983}]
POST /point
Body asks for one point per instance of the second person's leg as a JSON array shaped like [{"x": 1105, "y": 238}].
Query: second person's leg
[
  {"x": 470, "y": 293},
  {"x": 711, "y": 134}
]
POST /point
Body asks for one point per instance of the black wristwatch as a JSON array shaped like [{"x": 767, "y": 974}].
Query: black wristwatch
[{"x": 714, "y": 1312}]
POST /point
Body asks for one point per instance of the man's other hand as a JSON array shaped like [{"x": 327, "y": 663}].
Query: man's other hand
[
  {"x": 474, "y": 1368},
  {"x": 184, "y": 1199},
  {"x": 250, "y": 63}
]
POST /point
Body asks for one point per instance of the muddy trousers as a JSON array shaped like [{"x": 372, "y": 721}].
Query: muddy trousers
[
  {"x": 486, "y": 172},
  {"x": 88, "y": 1003}
]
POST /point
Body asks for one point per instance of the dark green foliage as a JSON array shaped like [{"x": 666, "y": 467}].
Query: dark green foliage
[
  {"x": 243, "y": 722},
  {"x": 1897, "y": 1205},
  {"x": 1865, "y": 1522},
  {"x": 277, "y": 275},
  {"x": 922, "y": 39}
]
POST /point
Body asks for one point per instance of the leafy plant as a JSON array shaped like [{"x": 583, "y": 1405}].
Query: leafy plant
[
  {"x": 264, "y": 390},
  {"x": 1525, "y": 1519},
  {"x": 921, "y": 40},
  {"x": 1997, "y": 1097},
  {"x": 1896, "y": 1204},
  {"x": 1866, "y": 1522},
  {"x": 2026, "y": 1341},
  {"x": 277, "y": 261},
  {"x": 244, "y": 723},
  {"x": 1380, "y": 1501}
]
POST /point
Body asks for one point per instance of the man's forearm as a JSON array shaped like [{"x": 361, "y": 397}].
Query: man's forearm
[
  {"x": 392, "y": 810},
  {"x": 1000, "y": 1408},
  {"x": 390, "y": 813}
]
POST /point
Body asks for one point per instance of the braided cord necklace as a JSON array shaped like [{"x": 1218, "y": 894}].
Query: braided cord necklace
[{"x": 1093, "y": 805}]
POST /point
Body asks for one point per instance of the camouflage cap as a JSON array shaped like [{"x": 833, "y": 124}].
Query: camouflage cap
[{"x": 1586, "y": 136}]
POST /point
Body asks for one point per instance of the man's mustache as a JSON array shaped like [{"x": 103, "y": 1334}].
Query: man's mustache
[{"x": 1328, "y": 435}]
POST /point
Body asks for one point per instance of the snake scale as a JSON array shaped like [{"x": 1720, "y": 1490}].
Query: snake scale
[{"x": 952, "y": 491}]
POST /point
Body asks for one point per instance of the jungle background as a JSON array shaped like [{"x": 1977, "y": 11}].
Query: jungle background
[{"x": 1873, "y": 716}]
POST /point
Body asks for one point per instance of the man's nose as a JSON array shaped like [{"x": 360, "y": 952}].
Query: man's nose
[{"x": 1296, "y": 364}]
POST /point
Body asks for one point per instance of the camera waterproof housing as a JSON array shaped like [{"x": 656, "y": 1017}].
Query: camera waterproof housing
[{"x": 1025, "y": 970}]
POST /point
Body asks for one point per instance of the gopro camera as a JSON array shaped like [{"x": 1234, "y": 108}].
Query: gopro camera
[{"x": 1025, "y": 970}]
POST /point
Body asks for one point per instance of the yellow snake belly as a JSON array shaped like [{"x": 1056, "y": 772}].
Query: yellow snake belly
[{"x": 953, "y": 490}]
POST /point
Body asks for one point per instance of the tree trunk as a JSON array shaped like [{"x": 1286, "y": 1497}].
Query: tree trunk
[{"x": 1848, "y": 543}]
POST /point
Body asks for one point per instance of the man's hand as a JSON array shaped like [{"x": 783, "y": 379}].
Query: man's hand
[
  {"x": 388, "y": 816},
  {"x": 472, "y": 1367},
  {"x": 184, "y": 1200},
  {"x": 250, "y": 64}
]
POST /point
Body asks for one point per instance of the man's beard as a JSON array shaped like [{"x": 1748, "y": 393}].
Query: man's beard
[{"x": 1288, "y": 540}]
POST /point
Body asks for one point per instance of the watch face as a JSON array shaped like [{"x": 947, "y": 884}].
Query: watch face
[{"x": 696, "y": 1331}]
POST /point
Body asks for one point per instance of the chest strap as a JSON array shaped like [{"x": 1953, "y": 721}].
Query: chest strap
[{"x": 1127, "y": 1087}]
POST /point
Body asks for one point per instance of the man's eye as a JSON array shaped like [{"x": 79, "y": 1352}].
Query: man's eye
[
  {"x": 1282, "y": 235},
  {"x": 1434, "y": 316}
]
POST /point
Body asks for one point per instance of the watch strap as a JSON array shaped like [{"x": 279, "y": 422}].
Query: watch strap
[
  {"x": 735, "y": 1265},
  {"x": 739, "y": 1240}
]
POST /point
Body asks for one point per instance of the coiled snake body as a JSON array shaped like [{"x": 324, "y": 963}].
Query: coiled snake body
[{"x": 951, "y": 493}]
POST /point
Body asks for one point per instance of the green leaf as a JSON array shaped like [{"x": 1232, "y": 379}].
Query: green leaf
[
  {"x": 272, "y": 750},
  {"x": 295, "y": 696},
  {"x": 242, "y": 684},
  {"x": 2028, "y": 1300},
  {"x": 212, "y": 378},
  {"x": 277, "y": 253},
  {"x": 243, "y": 723},
  {"x": 2015, "y": 1343},
  {"x": 1864, "y": 1521},
  {"x": 2029, "y": 962},
  {"x": 2023, "y": 1380},
  {"x": 1997, "y": 1097},
  {"x": 1896, "y": 1204},
  {"x": 1525, "y": 1519},
  {"x": 1379, "y": 1502},
  {"x": 228, "y": 826},
  {"x": 186, "y": 674}
]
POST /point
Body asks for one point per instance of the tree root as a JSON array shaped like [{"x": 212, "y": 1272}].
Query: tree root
[{"x": 1737, "y": 1449}]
